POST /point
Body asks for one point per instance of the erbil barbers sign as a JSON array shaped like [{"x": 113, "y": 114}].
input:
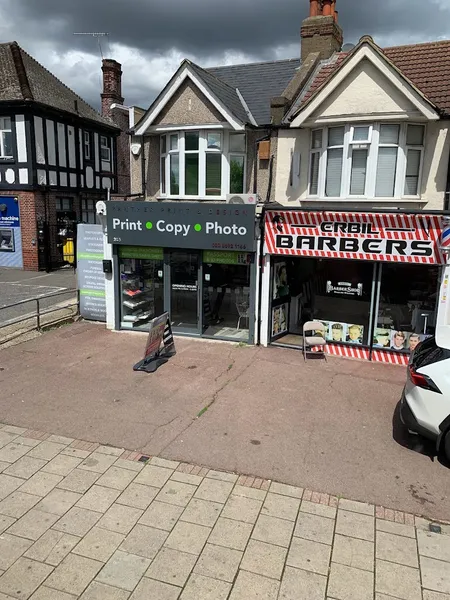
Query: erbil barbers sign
[{"x": 364, "y": 236}]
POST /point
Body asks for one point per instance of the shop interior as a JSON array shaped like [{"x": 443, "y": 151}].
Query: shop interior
[
  {"x": 206, "y": 293},
  {"x": 374, "y": 305}
]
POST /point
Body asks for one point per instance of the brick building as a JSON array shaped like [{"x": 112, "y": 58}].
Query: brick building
[{"x": 58, "y": 157}]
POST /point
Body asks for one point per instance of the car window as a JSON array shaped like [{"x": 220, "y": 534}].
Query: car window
[{"x": 428, "y": 353}]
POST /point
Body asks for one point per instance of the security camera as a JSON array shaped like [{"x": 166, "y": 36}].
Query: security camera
[{"x": 101, "y": 207}]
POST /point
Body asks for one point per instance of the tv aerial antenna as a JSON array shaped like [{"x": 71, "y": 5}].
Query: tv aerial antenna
[{"x": 99, "y": 35}]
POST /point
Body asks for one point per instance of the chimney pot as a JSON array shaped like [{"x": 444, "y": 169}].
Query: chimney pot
[
  {"x": 314, "y": 8},
  {"x": 327, "y": 10}
]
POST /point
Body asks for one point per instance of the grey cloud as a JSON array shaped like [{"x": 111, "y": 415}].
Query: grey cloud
[{"x": 208, "y": 28}]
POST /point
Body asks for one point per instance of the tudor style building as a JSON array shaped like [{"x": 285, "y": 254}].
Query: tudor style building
[{"x": 57, "y": 158}]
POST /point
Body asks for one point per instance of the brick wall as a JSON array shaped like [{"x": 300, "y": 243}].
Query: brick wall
[{"x": 322, "y": 35}]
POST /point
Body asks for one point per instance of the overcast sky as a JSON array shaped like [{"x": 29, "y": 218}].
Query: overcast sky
[{"x": 151, "y": 37}]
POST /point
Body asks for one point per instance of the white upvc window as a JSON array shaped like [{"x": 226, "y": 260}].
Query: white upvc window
[
  {"x": 105, "y": 148},
  {"x": 381, "y": 160},
  {"x": 87, "y": 144},
  {"x": 202, "y": 163},
  {"x": 6, "y": 145}
]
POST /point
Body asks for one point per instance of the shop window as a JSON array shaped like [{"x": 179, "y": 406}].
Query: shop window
[
  {"x": 141, "y": 286},
  {"x": 407, "y": 306},
  {"x": 369, "y": 161},
  {"x": 6, "y": 145},
  {"x": 336, "y": 292},
  {"x": 88, "y": 211},
  {"x": 226, "y": 290},
  {"x": 194, "y": 163}
]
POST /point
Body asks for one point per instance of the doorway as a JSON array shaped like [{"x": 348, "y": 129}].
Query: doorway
[{"x": 184, "y": 290}]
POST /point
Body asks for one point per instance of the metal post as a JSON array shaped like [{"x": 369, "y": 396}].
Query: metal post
[{"x": 38, "y": 315}]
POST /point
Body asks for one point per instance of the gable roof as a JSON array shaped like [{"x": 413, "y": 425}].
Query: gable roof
[
  {"x": 22, "y": 78},
  {"x": 426, "y": 66},
  {"x": 224, "y": 92},
  {"x": 259, "y": 83}
]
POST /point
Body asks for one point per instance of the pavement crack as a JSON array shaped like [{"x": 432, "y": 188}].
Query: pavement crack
[{"x": 213, "y": 398}]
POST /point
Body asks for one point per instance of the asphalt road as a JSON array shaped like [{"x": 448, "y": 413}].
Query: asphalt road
[
  {"x": 327, "y": 426},
  {"x": 17, "y": 285}
]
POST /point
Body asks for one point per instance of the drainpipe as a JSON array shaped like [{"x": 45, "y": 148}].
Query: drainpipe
[
  {"x": 269, "y": 185},
  {"x": 447, "y": 188},
  {"x": 255, "y": 166},
  {"x": 144, "y": 178}
]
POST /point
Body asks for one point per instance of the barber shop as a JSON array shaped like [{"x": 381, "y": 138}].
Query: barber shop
[
  {"x": 370, "y": 279},
  {"x": 196, "y": 261}
]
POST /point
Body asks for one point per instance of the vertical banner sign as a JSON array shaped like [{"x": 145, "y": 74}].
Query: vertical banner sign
[{"x": 91, "y": 279}]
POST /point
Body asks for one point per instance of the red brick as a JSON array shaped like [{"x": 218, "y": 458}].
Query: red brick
[
  {"x": 315, "y": 497},
  {"x": 389, "y": 514},
  {"x": 266, "y": 485},
  {"x": 249, "y": 481},
  {"x": 399, "y": 516},
  {"x": 196, "y": 470},
  {"x": 203, "y": 472},
  {"x": 241, "y": 480},
  {"x": 334, "y": 501},
  {"x": 307, "y": 495},
  {"x": 409, "y": 519},
  {"x": 324, "y": 499},
  {"x": 379, "y": 512},
  {"x": 36, "y": 435},
  {"x": 257, "y": 483}
]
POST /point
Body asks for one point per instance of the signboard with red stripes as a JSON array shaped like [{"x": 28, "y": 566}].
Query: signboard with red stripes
[{"x": 365, "y": 236}]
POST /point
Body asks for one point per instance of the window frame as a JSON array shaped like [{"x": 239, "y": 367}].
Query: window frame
[
  {"x": 373, "y": 145},
  {"x": 3, "y": 130},
  {"x": 203, "y": 151},
  {"x": 87, "y": 145},
  {"x": 106, "y": 146},
  {"x": 86, "y": 210}
]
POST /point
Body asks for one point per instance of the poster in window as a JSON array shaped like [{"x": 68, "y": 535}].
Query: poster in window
[
  {"x": 355, "y": 333},
  {"x": 382, "y": 337},
  {"x": 7, "y": 240},
  {"x": 280, "y": 281},
  {"x": 338, "y": 332},
  {"x": 326, "y": 333},
  {"x": 399, "y": 340},
  {"x": 279, "y": 319}
]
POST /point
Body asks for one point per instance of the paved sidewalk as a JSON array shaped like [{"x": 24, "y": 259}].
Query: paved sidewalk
[{"x": 80, "y": 520}]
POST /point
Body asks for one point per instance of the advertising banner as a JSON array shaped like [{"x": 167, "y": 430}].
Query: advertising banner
[
  {"x": 10, "y": 233},
  {"x": 160, "y": 345},
  {"x": 364, "y": 236},
  {"x": 197, "y": 225},
  {"x": 90, "y": 276}
]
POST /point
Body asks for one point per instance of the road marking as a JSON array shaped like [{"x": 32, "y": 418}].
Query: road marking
[
  {"x": 48, "y": 287},
  {"x": 31, "y": 278}
]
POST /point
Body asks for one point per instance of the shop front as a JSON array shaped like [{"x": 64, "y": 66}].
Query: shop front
[
  {"x": 195, "y": 260},
  {"x": 372, "y": 279}
]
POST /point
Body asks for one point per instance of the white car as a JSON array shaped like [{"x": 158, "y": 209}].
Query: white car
[{"x": 425, "y": 403}]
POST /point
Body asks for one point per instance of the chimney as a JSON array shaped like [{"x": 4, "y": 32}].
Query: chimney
[
  {"x": 320, "y": 31},
  {"x": 112, "y": 85}
]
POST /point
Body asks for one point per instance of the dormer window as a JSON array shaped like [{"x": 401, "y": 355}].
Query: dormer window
[{"x": 381, "y": 160}]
